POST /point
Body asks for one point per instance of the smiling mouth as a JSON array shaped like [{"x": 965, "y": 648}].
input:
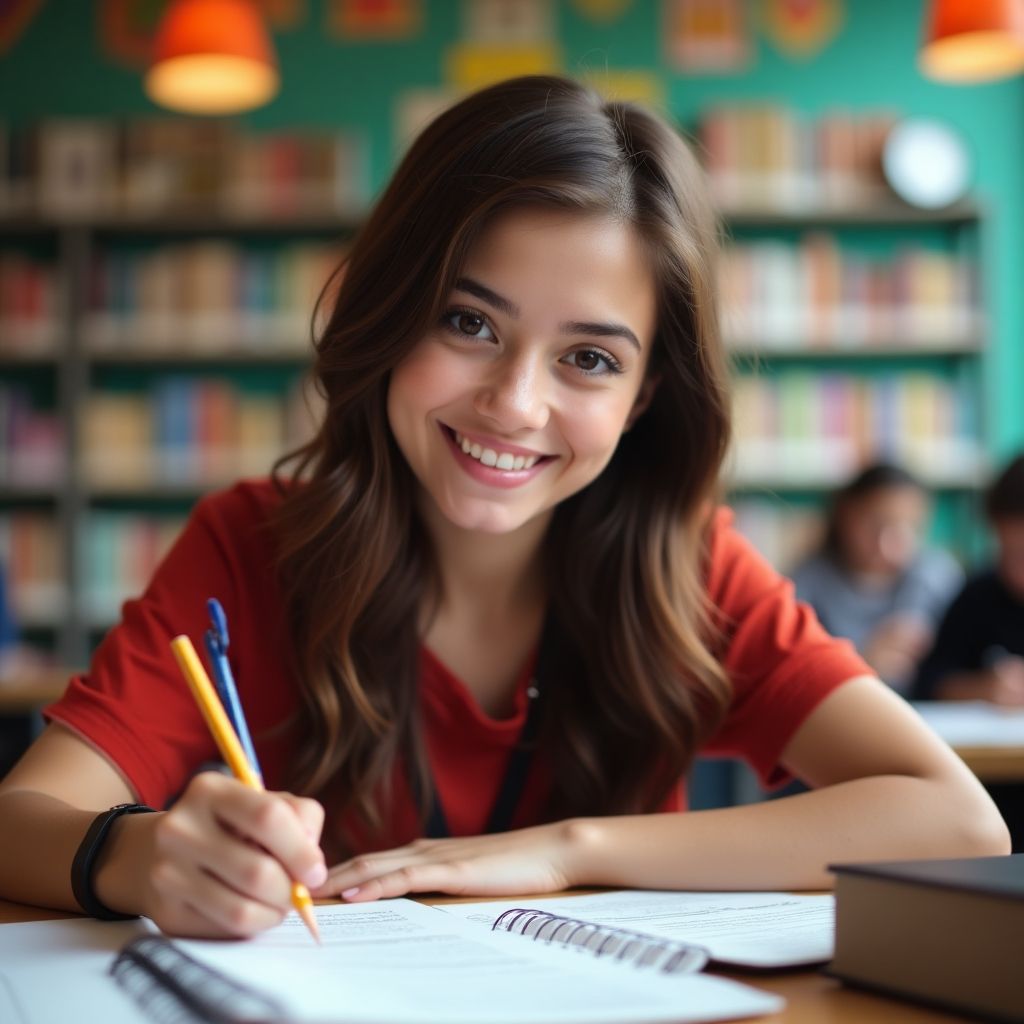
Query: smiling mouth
[{"x": 491, "y": 457}]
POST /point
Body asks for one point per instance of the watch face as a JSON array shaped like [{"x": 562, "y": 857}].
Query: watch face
[{"x": 926, "y": 163}]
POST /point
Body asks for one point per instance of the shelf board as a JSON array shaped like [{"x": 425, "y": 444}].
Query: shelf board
[
  {"x": 896, "y": 350},
  {"x": 187, "y": 221},
  {"x": 828, "y": 482},
  {"x": 9, "y": 359},
  {"x": 271, "y": 356},
  {"x": 13, "y": 493},
  {"x": 883, "y": 213}
]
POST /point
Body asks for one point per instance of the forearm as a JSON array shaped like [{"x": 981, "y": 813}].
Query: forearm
[
  {"x": 785, "y": 843},
  {"x": 41, "y": 836}
]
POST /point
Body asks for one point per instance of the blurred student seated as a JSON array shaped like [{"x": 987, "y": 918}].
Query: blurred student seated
[
  {"x": 873, "y": 581},
  {"x": 978, "y": 652}
]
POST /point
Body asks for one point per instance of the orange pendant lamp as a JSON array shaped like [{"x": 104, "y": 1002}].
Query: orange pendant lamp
[
  {"x": 973, "y": 40},
  {"x": 212, "y": 57}
]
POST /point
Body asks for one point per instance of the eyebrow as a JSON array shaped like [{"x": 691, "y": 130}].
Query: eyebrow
[{"x": 510, "y": 309}]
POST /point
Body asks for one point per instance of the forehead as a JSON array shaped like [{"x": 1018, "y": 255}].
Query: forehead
[{"x": 580, "y": 266}]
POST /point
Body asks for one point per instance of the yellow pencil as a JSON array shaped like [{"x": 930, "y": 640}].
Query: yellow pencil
[{"x": 231, "y": 749}]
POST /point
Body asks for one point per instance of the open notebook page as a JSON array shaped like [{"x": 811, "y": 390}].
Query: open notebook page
[
  {"x": 749, "y": 929},
  {"x": 400, "y": 962}
]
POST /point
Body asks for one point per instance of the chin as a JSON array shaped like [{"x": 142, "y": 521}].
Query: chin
[{"x": 483, "y": 520}]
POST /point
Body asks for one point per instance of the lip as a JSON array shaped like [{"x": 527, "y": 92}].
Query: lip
[{"x": 491, "y": 476}]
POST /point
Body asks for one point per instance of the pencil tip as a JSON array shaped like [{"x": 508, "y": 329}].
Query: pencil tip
[{"x": 307, "y": 915}]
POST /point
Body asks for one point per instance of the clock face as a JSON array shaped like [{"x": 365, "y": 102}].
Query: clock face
[{"x": 926, "y": 163}]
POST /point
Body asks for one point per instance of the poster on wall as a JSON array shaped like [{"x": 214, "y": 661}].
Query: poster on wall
[
  {"x": 801, "y": 28},
  {"x": 127, "y": 28},
  {"x": 374, "y": 19},
  {"x": 15, "y": 16},
  {"x": 706, "y": 36},
  {"x": 508, "y": 21}
]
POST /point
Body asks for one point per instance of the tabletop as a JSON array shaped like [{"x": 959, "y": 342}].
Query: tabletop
[{"x": 811, "y": 997}]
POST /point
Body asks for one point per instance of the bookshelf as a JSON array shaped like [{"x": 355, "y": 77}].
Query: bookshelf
[
  {"x": 154, "y": 340},
  {"x": 856, "y": 324}
]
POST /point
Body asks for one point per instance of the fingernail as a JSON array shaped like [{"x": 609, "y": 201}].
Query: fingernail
[
  {"x": 349, "y": 893},
  {"x": 315, "y": 876}
]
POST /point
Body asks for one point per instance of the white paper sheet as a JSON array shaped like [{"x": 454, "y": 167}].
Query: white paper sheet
[
  {"x": 400, "y": 962},
  {"x": 751, "y": 929},
  {"x": 57, "y": 971}
]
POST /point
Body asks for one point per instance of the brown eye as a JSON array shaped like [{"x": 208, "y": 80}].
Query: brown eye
[
  {"x": 466, "y": 324},
  {"x": 470, "y": 324},
  {"x": 588, "y": 361}
]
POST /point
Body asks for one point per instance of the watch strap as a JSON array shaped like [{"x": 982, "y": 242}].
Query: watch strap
[{"x": 83, "y": 867}]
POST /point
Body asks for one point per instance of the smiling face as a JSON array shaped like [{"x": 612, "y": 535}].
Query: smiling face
[{"x": 517, "y": 398}]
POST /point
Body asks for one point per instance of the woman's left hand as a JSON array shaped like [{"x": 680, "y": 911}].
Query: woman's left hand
[{"x": 529, "y": 860}]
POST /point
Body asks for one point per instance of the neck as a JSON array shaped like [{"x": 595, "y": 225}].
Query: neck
[{"x": 487, "y": 572}]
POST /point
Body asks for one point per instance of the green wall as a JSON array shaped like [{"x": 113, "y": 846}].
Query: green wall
[{"x": 57, "y": 68}]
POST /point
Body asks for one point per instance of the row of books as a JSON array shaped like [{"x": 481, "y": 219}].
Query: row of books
[
  {"x": 815, "y": 294},
  {"x": 32, "y": 440},
  {"x": 821, "y": 427},
  {"x": 33, "y": 554},
  {"x": 29, "y": 304},
  {"x": 189, "y": 431},
  {"x": 768, "y": 155},
  {"x": 119, "y": 551},
  {"x": 206, "y": 294},
  {"x": 87, "y": 167}
]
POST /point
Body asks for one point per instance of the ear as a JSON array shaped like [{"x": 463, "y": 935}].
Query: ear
[{"x": 643, "y": 400}]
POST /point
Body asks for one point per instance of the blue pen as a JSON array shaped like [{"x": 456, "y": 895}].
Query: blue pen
[{"x": 216, "y": 640}]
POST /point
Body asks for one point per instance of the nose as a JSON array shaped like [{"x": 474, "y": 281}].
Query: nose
[{"x": 514, "y": 394}]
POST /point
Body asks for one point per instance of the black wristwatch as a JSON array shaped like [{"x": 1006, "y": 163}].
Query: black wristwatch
[{"x": 84, "y": 864}]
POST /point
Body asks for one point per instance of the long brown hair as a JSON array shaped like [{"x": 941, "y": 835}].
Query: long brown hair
[{"x": 624, "y": 554}]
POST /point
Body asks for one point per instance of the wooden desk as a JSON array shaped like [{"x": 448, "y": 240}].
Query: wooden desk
[{"x": 811, "y": 998}]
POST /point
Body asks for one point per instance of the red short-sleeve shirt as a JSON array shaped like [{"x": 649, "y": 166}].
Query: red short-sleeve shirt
[{"x": 133, "y": 706}]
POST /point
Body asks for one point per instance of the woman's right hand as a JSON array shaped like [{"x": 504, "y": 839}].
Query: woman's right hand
[{"x": 221, "y": 861}]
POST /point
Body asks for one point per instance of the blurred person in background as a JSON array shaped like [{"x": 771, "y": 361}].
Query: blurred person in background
[
  {"x": 978, "y": 652},
  {"x": 872, "y": 580}
]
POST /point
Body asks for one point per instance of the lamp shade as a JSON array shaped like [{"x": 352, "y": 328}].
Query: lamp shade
[
  {"x": 973, "y": 40},
  {"x": 212, "y": 57}
]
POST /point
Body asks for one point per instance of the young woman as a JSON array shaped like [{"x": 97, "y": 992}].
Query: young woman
[
  {"x": 873, "y": 581},
  {"x": 493, "y": 605}
]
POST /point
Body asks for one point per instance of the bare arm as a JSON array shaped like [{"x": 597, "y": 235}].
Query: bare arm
[
  {"x": 889, "y": 789},
  {"x": 219, "y": 863}
]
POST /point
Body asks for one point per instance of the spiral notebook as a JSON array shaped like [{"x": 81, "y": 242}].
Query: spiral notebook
[
  {"x": 759, "y": 930},
  {"x": 401, "y": 962}
]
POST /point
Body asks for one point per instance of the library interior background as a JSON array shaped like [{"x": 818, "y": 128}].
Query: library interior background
[{"x": 158, "y": 269}]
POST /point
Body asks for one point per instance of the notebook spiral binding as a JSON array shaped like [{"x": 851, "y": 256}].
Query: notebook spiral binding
[
  {"x": 173, "y": 988},
  {"x": 663, "y": 955}
]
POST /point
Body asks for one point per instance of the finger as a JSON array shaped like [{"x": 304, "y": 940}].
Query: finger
[
  {"x": 193, "y": 902},
  {"x": 222, "y": 852},
  {"x": 270, "y": 822},
  {"x": 448, "y": 877},
  {"x": 309, "y": 812}
]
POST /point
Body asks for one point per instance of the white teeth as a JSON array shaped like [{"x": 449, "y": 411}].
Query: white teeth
[{"x": 489, "y": 457}]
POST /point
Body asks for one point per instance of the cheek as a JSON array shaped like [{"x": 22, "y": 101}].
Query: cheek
[
  {"x": 593, "y": 426},
  {"x": 424, "y": 380}
]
